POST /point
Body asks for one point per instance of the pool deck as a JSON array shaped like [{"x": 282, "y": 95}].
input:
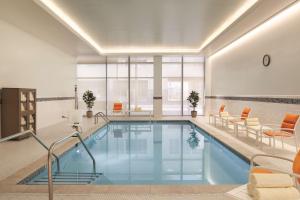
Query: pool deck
[{"x": 15, "y": 166}]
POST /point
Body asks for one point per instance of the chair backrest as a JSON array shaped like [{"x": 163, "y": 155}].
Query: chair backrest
[
  {"x": 296, "y": 165},
  {"x": 290, "y": 121},
  {"x": 245, "y": 113},
  {"x": 118, "y": 106},
  {"x": 252, "y": 122},
  {"x": 222, "y": 108}
]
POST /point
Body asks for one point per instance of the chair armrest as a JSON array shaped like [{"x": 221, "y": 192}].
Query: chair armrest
[{"x": 269, "y": 156}]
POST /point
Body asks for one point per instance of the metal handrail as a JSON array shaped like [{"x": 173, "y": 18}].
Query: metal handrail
[
  {"x": 102, "y": 115},
  {"x": 36, "y": 138},
  {"x": 50, "y": 151}
]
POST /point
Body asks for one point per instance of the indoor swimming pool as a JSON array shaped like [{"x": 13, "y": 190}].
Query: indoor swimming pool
[{"x": 167, "y": 152}]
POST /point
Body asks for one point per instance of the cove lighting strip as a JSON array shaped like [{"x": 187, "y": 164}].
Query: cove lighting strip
[
  {"x": 269, "y": 23},
  {"x": 55, "y": 10}
]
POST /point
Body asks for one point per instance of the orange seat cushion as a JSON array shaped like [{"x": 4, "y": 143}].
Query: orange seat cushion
[
  {"x": 118, "y": 106},
  {"x": 261, "y": 171},
  {"x": 245, "y": 113},
  {"x": 296, "y": 165},
  {"x": 276, "y": 133},
  {"x": 222, "y": 108},
  {"x": 289, "y": 121}
]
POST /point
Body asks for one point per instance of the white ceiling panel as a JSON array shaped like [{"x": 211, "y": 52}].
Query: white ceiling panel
[{"x": 129, "y": 24}]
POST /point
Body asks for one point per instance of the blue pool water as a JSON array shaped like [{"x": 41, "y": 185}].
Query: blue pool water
[{"x": 154, "y": 153}]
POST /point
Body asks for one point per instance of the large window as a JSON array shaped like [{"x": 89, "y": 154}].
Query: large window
[
  {"x": 92, "y": 77},
  {"x": 129, "y": 80},
  {"x": 181, "y": 75},
  {"x": 117, "y": 82},
  {"x": 141, "y": 83},
  {"x": 193, "y": 79},
  {"x": 171, "y": 85}
]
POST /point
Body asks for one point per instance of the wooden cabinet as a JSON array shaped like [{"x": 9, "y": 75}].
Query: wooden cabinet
[{"x": 18, "y": 111}]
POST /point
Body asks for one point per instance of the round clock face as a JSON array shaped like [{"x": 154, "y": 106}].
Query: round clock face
[{"x": 266, "y": 60}]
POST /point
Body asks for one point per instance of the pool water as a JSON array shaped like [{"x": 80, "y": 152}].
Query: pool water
[{"x": 154, "y": 153}]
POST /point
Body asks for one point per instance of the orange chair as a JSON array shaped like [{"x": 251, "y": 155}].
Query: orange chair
[
  {"x": 295, "y": 172},
  {"x": 215, "y": 116},
  {"x": 118, "y": 108},
  {"x": 286, "y": 129},
  {"x": 236, "y": 118}
]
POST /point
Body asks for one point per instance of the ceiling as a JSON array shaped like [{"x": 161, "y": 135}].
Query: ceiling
[
  {"x": 125, "y": 26},
  {"x": 29, "y": 17}
]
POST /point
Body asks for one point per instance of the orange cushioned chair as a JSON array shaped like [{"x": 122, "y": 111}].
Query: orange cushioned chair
[
  {"x": 245, "y": 114},
  {"x": 261, "y": 169},
  {"x": 118, "y": 107},
  {"x": 214, "y": 116},
  {"x": 286, "y": 129},
  {"x": 236, "y": 118}
]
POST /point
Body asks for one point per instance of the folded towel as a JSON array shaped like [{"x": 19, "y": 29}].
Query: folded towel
[
  {"x": 289, "y": 193},
  {"x": 274, "y": 180}
]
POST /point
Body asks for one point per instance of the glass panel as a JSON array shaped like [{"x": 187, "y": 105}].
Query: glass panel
[
  {"x": 175, "y": 59},
  {"x": 91, "y": 70},
  {"x": 193, "y": 79},
  {"x": 171, "y": 70},
  {"x": 117, "y": 91},
  {"x": 141, "y": 59},
  {"x": 141, "y": 70},
  {"x": 171, "y": 85},
  {"x": 193, "y": 70},
  {"x": 198, "y": 59},
  {"x": 141, "y": 93},
  {"x": 98, "y": 87},
  {"x": 171, "y": 94},
  {"x": 123, "y": 59},
  {"x": 117, "y": 70}
]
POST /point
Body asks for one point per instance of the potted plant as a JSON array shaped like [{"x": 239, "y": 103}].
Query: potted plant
[
  {"x": 89, "y": 98},
  {"x": 193, "y": 100}
]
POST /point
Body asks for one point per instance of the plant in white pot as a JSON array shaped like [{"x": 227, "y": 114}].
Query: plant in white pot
[
  {"x": 193, "y": 100},
  {"x": 89, "y": 99}
]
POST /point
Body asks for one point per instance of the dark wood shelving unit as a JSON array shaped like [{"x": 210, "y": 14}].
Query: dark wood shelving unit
[{"x": 18, "y": 111}]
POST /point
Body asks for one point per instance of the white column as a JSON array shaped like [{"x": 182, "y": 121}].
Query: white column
[{"x": 157, "y": 93}]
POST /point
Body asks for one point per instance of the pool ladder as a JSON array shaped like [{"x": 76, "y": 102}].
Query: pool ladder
[
  {"x": 67, "y": 178},
  {"x": 102, "y": 115},
  {"x": 85, "y": 178}
]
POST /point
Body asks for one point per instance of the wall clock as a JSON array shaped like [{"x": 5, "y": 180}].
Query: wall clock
[{"x": 266, "y": 60}]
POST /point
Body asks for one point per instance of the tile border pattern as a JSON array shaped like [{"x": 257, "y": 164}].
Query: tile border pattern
[
  {"x": 42, "y": 99},
  {"x": 282, "y": 100}
]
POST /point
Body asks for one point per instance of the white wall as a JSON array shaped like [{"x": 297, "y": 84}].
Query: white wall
[
  {"x": 237, "y": 70},
  {"x": 28, "y": 62}
]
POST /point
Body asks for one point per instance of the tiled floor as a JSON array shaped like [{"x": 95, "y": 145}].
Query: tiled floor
[
  {"x": 15, "y": 161},
  {"x": 111, "y": 196}
]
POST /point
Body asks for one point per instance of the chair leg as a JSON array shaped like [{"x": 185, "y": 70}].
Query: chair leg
[
  {"x": 236, "y": 129},
  {"x": 296, "y": 143},
  {"x": 274, "y": 145},
  {"x": 282, "y": 145}
]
